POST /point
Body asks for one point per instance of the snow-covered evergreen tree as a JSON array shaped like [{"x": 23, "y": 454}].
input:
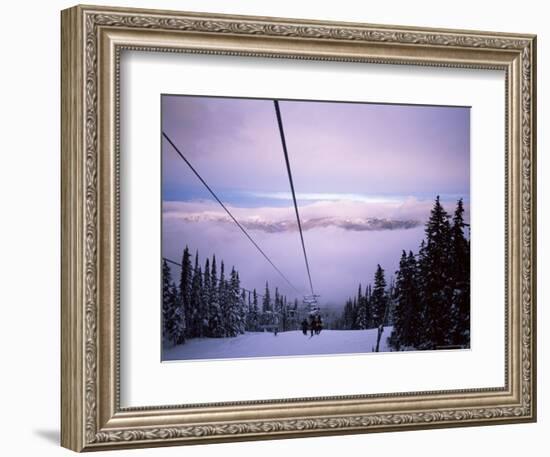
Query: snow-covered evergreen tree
[
  {"x": 205, "y": 300},
  {"x": 362, "y": 318},
  {"x": 392, "y": 303},
  {"x": 249, "y": 311},
  {"x": 254, "y": 314},
  {"x": 460, "y": 271},
  {"x": 244, "y": 308},
  {"x": 169, "y": 305},
  {"x": 173, "y": 317},
  {"x": 277, "y": 304},
  {"x": 379, "y": 299},
  {"x": 353, "y": 314},
  {"x": 233, "y": 324},
  {"x": 266, "y": 302},
  {"x": 215, "y": 314},
  {"x": 284, "y": 315},
  {"x": 407, "y": 312},
  {"x": 196, "y": 301},
  {"x": 186, "y": 277},
  {"x": 436, "y": 280},
  {"x": 368, "y": 306},
  {"x": 348, "y": 320},
  {"x": 223, "y": 299},
  {"x": 179, "y": 330}
]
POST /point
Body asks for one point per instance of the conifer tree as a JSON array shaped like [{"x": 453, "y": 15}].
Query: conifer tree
[
  {"x": 244, "y": 308},
  {"x": 406, "y": 315},
  {"x": 355, "y": 308},
  {"x": 390, "y": 313},
  {"x": 205, "y": 300},
  {"x": 254, "y": 318},
  {"x": 238, "y": 305},
  {"x": 179, "y": 330},
  {"x": 368, "y": 307},
  {"x": 348, "y": 317},
  {"x": 196, "y": 300},
  {"x": 173, "y": 316},
  {"x": 362, "y": 318},
  {"x": 285, "y": 316},
  {"x": 186, "y": 278},
  {"x": 277, "y": 305},
  {"x": 215, "y": 315},
  {"x": 379, "y": 298},
  {"x": 266, "y": 303},
  {"x": 169, "y": 305},
  {"x": 436, "y": 280},
  {"x": 460, "y": 271},
  {"x": 417, "y": 311},
  {"x": 223, "y": 299},
  {"x": 249, "y": 311},
  {"x": 233, "y": 305}
]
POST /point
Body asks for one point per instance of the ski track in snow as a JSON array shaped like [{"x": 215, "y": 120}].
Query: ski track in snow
[{"x": 292, "y": 343}]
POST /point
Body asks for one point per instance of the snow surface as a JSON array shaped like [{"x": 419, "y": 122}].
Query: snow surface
[{"x": 266, "y": 344}]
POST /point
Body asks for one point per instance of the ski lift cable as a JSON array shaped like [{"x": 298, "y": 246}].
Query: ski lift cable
[
  {"x": 281, "y": 131},
  {"x": 196, "y": 173}
]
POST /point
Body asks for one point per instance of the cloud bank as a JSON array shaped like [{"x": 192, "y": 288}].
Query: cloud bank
[
  {"x": 349, "y": 215},
  {"x": 272, "y": 226}
]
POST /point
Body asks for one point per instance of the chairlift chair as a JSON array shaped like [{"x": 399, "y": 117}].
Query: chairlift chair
[{"x": 312, "y": 305}]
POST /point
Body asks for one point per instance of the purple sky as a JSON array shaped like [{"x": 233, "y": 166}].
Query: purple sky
[{"x": 366, "y": 176}]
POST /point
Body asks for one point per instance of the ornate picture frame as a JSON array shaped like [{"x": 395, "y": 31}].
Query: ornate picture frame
[{"x": 93, "y": 39}]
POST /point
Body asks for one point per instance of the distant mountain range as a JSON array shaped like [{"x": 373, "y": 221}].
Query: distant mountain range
[{"x": 278, "y": 226}]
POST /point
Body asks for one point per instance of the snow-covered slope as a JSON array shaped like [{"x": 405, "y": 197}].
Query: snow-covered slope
[{"x": 258, "y": 344}]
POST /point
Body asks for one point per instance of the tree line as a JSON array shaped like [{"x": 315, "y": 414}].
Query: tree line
[
  {"x": 429, "y": 303},
  {"x": 368, "y": 309},
  {"x": 205, "y": 303}
]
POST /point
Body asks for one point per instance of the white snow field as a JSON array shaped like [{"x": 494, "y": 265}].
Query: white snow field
[{"x": 266, "y": 344}]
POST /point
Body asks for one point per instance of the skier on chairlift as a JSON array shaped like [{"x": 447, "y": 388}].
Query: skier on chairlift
[
  {"x": 318, "y": 324},
  {"x": 305, "y": 326},
  {"x": 310, "y": 301},
  {"x": 311, "y": 325}
]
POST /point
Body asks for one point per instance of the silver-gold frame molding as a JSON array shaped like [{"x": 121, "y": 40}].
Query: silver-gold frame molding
[{"x": 92, "y": 41}]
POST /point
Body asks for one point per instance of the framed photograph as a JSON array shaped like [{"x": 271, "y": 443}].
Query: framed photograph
[{"x": 277, "y": 228}]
